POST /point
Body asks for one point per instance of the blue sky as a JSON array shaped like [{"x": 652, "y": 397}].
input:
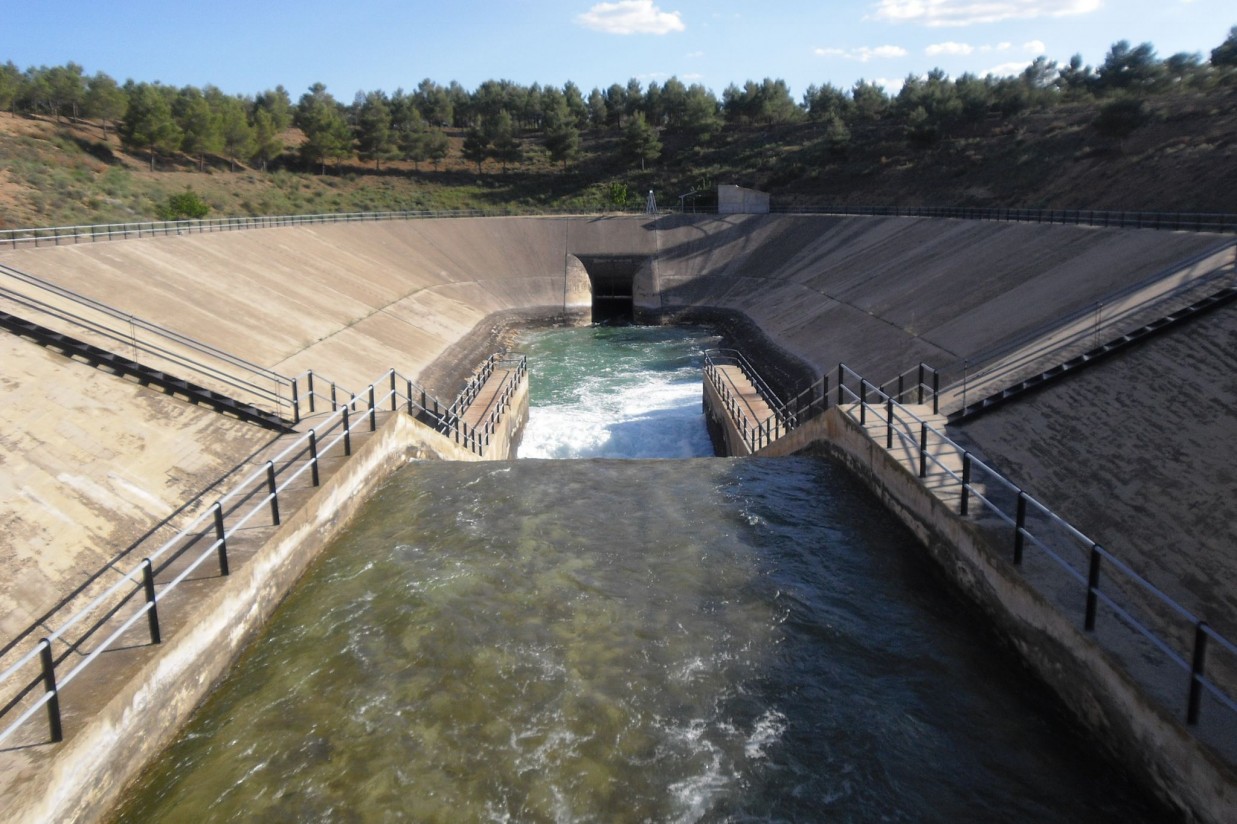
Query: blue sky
[{"x": 352, "y": 45}]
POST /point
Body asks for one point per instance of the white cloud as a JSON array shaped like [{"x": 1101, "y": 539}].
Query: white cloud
[
  {"x": 891, "y": 86},
  {"x": 1034, "y": 47},
  {"x": 631, "y": 17},
  {"x": 1005, "y": 70},
  {"x": 953, "y": 13},
  {"x": 863, "y": 54},
  {"x": 948, "y": 48}
]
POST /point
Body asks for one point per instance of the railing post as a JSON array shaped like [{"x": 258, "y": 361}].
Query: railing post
[
  {"x": 394, "y": 400},
  {"x": 863, "y": 402},
  {"x": 273, "y": 491},
  {"x": 1093, "y": 587},
  {"x": 1196, "y": 672},
  {"x": 309, "y": 387},
  {"x": 410, "y": 397},
  {"x": 49, "y": 686},
  {"x": 889, "y": 423},
  {"x": 966, "y": 484},
  {"x": 222, "y": 538},
  {"x": 923, "y": 450},
  {"x": 313, "y": 457},
  {"x": 936, "y": 392},
  {"x": 373, "y": 412},
  {"x": 1020, "y": 523},
  {"x": 347, "y": 434},
  {"x": 841, "y": 382},
  {"x": 296, "y": 403},
  {"x": 334, "y": 404},
  {"x": 152, "y": 614},
  {"x": 921, "y": 383}
]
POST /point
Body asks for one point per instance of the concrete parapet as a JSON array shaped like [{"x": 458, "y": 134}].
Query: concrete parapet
[
  {"x": 1095, "y": 687},
  {"x": 82, "y": 779}
]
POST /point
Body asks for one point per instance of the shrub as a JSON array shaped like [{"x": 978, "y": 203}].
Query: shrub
[{"x": 186, "y": 205}]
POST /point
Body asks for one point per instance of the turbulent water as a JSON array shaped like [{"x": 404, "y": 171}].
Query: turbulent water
[
  {"x": 629, "y": 641},
  {"x": 616, "y": 392}
]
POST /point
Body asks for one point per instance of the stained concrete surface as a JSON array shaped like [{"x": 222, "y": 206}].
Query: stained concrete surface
[{"x": 1140, "y": 456}]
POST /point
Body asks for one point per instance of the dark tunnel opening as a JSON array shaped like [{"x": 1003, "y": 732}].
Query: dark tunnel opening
[{"x": 612, "y": 278}]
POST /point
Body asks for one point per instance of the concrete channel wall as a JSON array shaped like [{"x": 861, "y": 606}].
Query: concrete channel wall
[
  {"x": 352, "y": 300},
  {"x": 1135, "y": 729},
  {"x": 84, "y": 779}
]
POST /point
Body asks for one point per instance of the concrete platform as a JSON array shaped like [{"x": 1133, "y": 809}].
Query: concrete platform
[{"x": 1139, "y": 450}]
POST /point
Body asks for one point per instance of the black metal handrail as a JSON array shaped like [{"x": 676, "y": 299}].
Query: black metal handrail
[
  {"x": 259, "y": 386},
  {"x": 763, "y": 432},
  {"x": 1173, "y": 221},
  {"x": 1053, "y": 536},
  {"x": 210, "y": 531}
]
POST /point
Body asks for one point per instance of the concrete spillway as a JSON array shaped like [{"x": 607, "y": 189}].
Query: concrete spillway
[{"x": 88, "y": 467}]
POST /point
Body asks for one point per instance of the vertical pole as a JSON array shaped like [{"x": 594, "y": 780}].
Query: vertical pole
[
  {"x": 923, "y": 450},
  {"x": 841, "y": 381},
  {"x": 410, "y": 397},
  {"x": 1093, "y": 587},
  {"x": 313, "y": 457},
  {"x": 889, "y": 423},
  {"x": 966, "y": 484},
  {"x": 309, "y": 387},
  {"x": 1020, "y": 523},
  {"x": 1196, "y": 672},
  {"x": 863, "y": 402},
  {"x": 152, "y": 614},
  {"x": 334, "y": 404},
  {"x": 936, "y": 392},
  {"x": 921, "y": 383},
  {"x": 296, "y": 404},
  {"x": 49, "y": 686},
  {"x": 347, "y": 434},
  {"x": 373, "y": 412},
  {"x": 393, "y": 398},
  {"x": 222, "y": 538},
  {"x": 274, "y": 492}
]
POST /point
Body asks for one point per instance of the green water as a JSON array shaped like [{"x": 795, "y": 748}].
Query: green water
[
  {"x": 602, "y": 640},
  {"x": 636, "y": 640}
]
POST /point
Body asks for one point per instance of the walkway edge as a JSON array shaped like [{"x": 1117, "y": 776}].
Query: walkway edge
[
  {"x": 86, "y": 779},
  {"x": 1179, "y": 768}
]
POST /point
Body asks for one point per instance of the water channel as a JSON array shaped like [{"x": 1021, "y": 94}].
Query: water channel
[{"x": 632, "y": 639}]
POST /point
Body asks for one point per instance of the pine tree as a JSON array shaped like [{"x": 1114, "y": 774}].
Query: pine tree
[
  {"x": 148, "y": 122},
  {"x": 640, "y": 140}
]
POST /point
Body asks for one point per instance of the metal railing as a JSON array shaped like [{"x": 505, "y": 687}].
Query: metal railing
[
  {"x": 1174, "y": 221},
  {"x": 92, "y": 233},
  {"x": 75, "y": 643},
  {"x": 68, "y": 312},
  {"x": 1088, "y": 324},
  {"x": 1166, "y": 646},
  {"x": 755, "y": 431}
]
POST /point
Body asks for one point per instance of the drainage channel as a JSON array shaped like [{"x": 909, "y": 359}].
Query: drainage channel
[{"x": 629, "y": 640}]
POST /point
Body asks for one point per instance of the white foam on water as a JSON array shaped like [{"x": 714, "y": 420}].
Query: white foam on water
[
  {"x": 768, "y": 731},
  {"x": 651, "y": 415}
]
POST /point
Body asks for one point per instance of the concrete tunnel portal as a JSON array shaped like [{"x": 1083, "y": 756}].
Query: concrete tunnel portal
[{"x": 612, "y": 283}]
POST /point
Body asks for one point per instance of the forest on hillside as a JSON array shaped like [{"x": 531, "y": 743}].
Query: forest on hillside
[
  {"x": 685, "y": 130},
  {"x": 377, "y": 126}
]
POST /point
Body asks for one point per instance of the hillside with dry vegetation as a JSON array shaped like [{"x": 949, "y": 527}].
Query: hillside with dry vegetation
[{"x": 1133, "y": 133}]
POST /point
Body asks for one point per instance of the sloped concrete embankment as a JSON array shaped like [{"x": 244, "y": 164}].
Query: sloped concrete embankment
[
  {"x": 1089, "y": 680},
  {"x": 82, "y": 780}
]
